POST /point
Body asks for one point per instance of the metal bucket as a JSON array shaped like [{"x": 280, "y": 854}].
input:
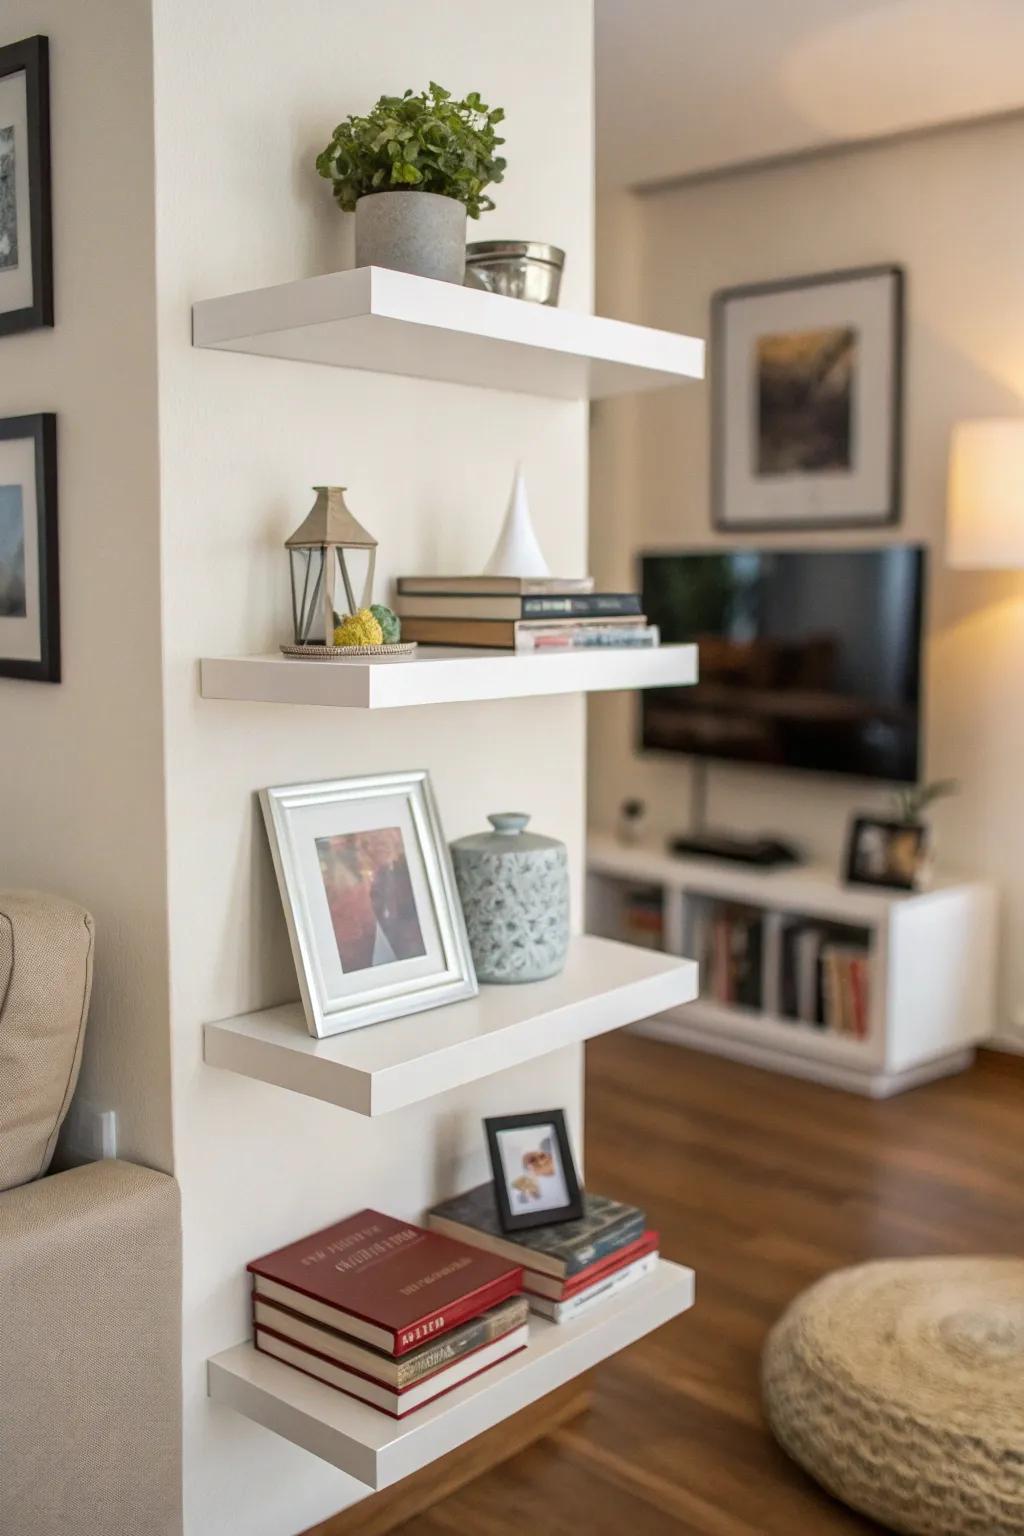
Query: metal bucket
[{"x": 518, "y": 269}]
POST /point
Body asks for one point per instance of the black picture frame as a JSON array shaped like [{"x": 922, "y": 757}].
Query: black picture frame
[
  {"x": 890, "y": 515},
  {"x": 42, "y": 429},
  {"x": 32, "y": 55},
  {"x": 890, "y": 877},
  {"x": 517, "y": 1221}
]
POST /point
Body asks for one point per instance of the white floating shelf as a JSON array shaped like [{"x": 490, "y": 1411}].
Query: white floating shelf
[
  {"x": 392, "y": 322},
  {"x": 604, "y": 986},
  {"x": 436, "y": 675},
  {"x": 377, "y": 1450}
]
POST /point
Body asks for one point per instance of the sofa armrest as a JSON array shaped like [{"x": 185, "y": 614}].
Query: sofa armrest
[{"x": 90, "y": 1345}]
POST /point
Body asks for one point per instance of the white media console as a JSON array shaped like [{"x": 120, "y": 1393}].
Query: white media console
[{"x": 930, "y": 959}]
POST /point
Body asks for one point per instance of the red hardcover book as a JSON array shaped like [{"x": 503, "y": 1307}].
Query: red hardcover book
[
  {"x": 387, "y": 1282},
  {"x": 534, "y": 1283}
]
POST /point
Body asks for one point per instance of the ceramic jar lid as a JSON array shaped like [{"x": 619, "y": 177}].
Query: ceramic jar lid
[{"x": 509, "y": 837}]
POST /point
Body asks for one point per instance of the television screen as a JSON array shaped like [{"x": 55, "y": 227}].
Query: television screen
[{"x": 807, "y": 659}]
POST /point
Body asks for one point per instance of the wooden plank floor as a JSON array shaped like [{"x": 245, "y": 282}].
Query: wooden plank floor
[{"x": 762, "y": 1183}]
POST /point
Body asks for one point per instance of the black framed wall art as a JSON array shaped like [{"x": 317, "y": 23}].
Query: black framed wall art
[
  {"x": 29, "y": 584},
  {"x": 808, "y": 401},
  {"x": 26, "y": 235}
]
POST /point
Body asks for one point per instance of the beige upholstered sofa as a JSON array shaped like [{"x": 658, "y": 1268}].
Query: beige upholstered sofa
[{"x": 90, "y": 1270}]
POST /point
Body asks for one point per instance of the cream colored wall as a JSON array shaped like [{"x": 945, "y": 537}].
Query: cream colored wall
[
  {"x": 944, "y": 208},
  {"x": 246, "y": 94},
  {"x": 81, "y": 786}
]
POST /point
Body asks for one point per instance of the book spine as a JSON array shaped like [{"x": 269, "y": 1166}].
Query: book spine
[
  {"x": 596, "y": 605},
  {"x": 451, "y": 1347},
  {"x": 461, "y": 1311},
  {"x": 565, "y": 1311},
  {"x": 615, "y": 1237},
  {"x": 596, "y": 637}
]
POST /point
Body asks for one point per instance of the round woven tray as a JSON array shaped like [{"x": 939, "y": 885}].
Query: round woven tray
[{"x": 346, "y": 652}]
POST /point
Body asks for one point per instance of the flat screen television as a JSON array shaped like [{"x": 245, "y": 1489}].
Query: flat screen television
[{"x": 808, "y": 659}]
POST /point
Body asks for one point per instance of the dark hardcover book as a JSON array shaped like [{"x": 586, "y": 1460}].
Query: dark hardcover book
[
  {"x": 561, "y": 1250},
  {"x": 405, "y": 1370},
  {"x": 746, "y": 945},
  {"x": 386, "y": 1282},
  {"x": 593, "y": 605}
]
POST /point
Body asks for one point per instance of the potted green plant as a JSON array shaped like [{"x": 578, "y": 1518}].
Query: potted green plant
[
  {"x": 911, "y": 803},
  {"x": 411, "y": 170}
]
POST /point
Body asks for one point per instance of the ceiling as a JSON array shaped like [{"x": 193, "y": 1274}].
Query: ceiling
[{"x": 685, "y": 86}]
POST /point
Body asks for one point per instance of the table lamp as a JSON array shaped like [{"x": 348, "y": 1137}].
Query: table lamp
[{"x": 985, "y": 508}]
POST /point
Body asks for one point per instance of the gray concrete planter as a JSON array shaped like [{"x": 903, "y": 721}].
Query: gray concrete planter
[{"x": 416, "y": 232}]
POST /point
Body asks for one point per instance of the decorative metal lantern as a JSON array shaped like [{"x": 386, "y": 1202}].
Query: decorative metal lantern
[{"x": 317, "y": 553}]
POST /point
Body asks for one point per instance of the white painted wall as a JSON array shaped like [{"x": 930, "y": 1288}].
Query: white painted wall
[
  {"x": 944, "y": 208},
  {"x": 246, "y": 94},
  {"x": 81, "y": 767}
]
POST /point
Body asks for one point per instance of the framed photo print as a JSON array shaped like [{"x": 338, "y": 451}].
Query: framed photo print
[
  {"x": 535, "y": 1180},
  {"x": 29, "y": 583},
  {"x": 26, "y": 235},
  {"x": 807, "y": 402},
  {"x": 369, "y": 897},
  {"x": 889, "y": 853}
]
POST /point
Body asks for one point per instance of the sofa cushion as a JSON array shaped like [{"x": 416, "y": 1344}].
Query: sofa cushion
[{"x": 46, "y": 946}]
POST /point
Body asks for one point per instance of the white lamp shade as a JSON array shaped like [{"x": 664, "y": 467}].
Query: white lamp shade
[{"x": 985, "y": 513}]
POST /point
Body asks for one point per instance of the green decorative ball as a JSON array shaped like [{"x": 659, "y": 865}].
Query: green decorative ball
[{"x": 390, "y": 623}]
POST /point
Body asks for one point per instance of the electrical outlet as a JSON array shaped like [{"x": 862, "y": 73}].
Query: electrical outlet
[{"x": 90, "y": 1133}]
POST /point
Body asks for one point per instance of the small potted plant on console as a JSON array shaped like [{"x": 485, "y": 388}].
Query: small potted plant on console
[{"x": 411, "y": 170}]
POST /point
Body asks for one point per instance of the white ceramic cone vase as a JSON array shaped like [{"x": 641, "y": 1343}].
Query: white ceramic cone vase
[{"x": 517, "y": 552}]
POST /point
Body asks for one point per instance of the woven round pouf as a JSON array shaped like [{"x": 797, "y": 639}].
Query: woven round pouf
[{"x": 900, "y": 1387}]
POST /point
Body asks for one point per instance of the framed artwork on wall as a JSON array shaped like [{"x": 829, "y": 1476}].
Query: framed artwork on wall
[
  {"x": 807, "y": 401},
  {"x": 26, "y": 234},
  {"x": 29, "y": 584},
  {"x": 369, "y": 897}
]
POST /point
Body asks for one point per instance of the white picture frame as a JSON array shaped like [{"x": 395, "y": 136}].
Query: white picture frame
[
  {"x": 807, "y": 403},
  {"x": 370, "y": 899}
]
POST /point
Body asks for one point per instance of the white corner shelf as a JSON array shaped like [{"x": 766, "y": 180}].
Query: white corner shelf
[
  {"x": 378, "y": 1450},
  {"x": 437, "y": 675},
  {"x": 393, "y": 322},
  {"x": 605, "y": 985}
]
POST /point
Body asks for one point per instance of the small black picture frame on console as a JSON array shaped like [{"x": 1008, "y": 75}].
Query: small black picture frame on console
[
  {"x": 29, "y": 577},
  {"x": 535, "y": 1179},
  {"x": 26, "y": 225},
  {"x": 886, "y": 853}
]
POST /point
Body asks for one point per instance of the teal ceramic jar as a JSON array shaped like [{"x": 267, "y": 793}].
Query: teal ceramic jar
[{"x": 514, "y": 888}]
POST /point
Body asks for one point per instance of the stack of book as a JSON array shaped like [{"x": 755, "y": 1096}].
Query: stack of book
[
  {"x": 825, "y": 977},
  {"x": 387, "y": 1312},
  {"x": 568, "y": 1268},
  {"x": 512, "y": 613},
  {"x": 728, "y": 943}
]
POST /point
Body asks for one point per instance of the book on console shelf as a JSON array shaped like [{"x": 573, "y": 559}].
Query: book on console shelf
[
  {"x": 533, "y": 634},
  {"x": 451, "y": 605},
  {"x": 560, "y": 1251},
  {"x": 396, "y": 1386},
  {"x": 729, "y": 944},
  {"x": 385, "y": 1283},
  {"x": 825, "y": 977},
  {"x": 498, "y": 586}
]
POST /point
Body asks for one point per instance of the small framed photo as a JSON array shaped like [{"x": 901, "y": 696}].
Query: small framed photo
[
  {"x": 535, "y": 1180},
  {"x": 369, "y": 897},
  {"x": 29, "y": 578},
  {"x": 26, "y": 237},
  {"x": 889, "y": 853},
  {"x": 807, "y": 401}
]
